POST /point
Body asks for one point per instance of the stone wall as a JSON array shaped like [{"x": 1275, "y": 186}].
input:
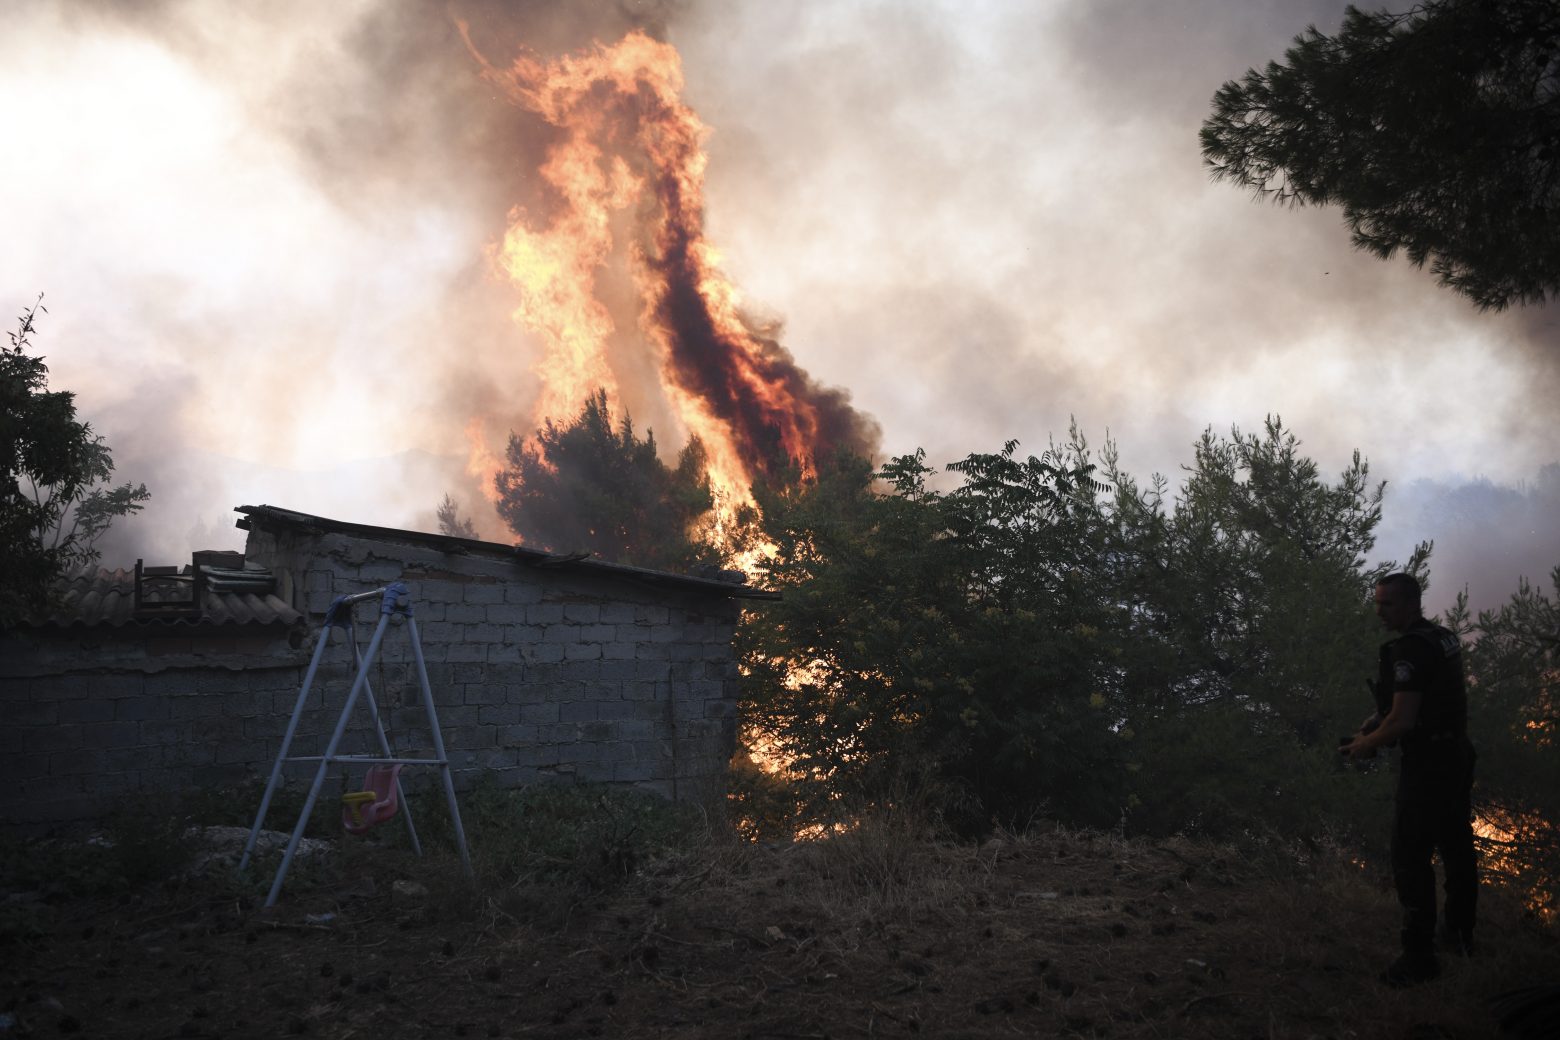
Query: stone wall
[{"x": 538, "y": 673}]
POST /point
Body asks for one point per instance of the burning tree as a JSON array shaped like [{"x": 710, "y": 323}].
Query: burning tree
[
  {"x": 625, "y": 176},
  {"x": 585, "y": 486},
  {"x": 1514, "y": 719},
  {"x": 933, "y": 641}
]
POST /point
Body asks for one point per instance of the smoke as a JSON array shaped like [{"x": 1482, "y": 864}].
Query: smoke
[
  {"x": 1174, "y": 54},
  {"x": 988, "y": 225},
  {"x": 1489, "y": 536},
  {"x": 778, "y": 414},
  {"x": 264, "y": 233},
  {"x": 759, "y": 411}
]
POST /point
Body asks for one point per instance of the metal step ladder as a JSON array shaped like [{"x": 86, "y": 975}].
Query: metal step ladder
[{"x": 395, "y": 601}]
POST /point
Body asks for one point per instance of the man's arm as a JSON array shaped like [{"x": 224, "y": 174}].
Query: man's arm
[{"x": 1401, "y": 719}]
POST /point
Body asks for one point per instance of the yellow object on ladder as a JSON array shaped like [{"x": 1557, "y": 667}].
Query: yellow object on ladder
[
  {"x": 382, "y": 796},
  {"x": 379, "y": 800}
]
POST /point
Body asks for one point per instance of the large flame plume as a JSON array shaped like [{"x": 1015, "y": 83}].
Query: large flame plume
[{"x": 626, "y": 176}]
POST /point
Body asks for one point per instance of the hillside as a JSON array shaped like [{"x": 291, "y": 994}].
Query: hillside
[{"x": 869, "y": 934}]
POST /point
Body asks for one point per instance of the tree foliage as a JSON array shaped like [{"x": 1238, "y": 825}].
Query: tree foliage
[
  {"x": 451, "y": 523},
  {"x": 585, "y": 486},
  {"x": 1247, "y": 632},
  {"x": 1051, "y": 637},
  {"x": 1039, "y": 639},
  {"x": 882, "y": 663},
  {"x": 1437, "y": 130},
  {"x": 55, "y": 499},
  {"x": 1514, "y": 719}
]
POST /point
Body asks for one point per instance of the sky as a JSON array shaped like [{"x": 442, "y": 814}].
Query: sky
[{"x": 264, "y": 236}]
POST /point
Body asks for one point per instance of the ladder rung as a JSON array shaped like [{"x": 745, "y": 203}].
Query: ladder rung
[
  {"x": 375, "y": 759},
  {"x": 396, "y": 601}
]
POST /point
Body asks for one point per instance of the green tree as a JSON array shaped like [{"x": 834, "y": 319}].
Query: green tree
[
  {"x": 837, "y": 675},
  {"x": 1037, "y": 640},
  {"x": 1437, "y": 130},
  {"x": 1245, "y": 634},
  {"x": 55, "y": 500},
  {"x": 925, "y": 642},
  {"x": 584, "y": 486},
  {"x": 1038, "y": 732}
]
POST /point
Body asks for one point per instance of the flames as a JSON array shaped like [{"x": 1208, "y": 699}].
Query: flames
[{"x": 625, "y": 179}]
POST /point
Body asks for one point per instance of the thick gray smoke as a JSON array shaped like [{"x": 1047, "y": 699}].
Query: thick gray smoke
[
  {"x": 1004, "y": 222},
  {"x": 262, "y": 229},
  {"x": 1489, "y": 537}
]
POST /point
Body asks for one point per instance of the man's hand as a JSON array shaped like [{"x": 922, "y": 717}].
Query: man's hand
[
  {"x": 1405, "y": 711},
  {"x": 1357, "y": 749}
]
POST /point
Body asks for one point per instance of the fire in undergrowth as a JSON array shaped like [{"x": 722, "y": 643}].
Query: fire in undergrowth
[{"x": 625, "y": 174}]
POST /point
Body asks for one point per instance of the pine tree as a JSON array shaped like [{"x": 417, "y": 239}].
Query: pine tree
[
  {"x": 583, "y": 486},
  {"x": 1437, "y": 131}
]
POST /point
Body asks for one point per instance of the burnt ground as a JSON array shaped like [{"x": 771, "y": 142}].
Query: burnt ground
[{"x": 1055, "y": 933}]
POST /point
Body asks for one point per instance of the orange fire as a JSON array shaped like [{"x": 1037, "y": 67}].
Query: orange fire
[
  {"x": 626, "y": 176},
  {"x": 483, "y": 464}
]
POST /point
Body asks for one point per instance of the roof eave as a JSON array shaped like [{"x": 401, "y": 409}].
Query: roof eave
[{"x": 266, "y": 515}]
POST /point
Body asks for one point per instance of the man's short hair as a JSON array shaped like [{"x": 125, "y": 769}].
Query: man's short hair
[{"x": 1405, "y": 585}]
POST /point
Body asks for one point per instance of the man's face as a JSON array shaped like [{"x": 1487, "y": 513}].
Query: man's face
[{"x": 1394, "y": 609}]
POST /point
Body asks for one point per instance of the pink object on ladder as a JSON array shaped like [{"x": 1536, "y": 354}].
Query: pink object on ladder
[{"x": 379, "y": 800}]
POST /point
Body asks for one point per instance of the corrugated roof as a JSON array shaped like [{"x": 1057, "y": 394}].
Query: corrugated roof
[
  {"x": 97, "y": 597},
  {"x": 722, "y": 583}
]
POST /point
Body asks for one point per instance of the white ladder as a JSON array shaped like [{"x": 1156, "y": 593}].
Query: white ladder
[{"x": 395, "y": 601}]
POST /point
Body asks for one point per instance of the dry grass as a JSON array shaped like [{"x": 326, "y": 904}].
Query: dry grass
[{"x": 877, "y": 931}]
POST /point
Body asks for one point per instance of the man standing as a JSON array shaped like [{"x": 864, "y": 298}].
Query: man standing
[{"x": 1421, "y": 704}]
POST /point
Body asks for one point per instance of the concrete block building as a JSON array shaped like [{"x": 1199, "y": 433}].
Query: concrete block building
[{"x": 544, "y": 668}]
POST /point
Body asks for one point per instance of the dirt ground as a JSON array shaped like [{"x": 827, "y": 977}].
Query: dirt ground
[{"x": 1056, "y": 933}]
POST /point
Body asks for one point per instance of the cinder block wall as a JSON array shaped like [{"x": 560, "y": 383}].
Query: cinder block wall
[
  {"x": 538, "y": 674},
  {"x": 89, "y": 718}
]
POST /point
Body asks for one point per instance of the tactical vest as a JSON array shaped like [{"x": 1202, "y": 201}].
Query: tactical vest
[{"x": 1443, "y": 705}]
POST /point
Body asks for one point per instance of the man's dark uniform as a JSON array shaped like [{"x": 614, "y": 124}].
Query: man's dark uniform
[{"x": 1435, "y": 783}]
